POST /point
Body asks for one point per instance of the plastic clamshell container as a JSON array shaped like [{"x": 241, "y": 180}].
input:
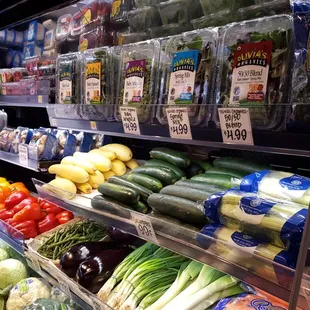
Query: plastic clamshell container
[
  {"x": 169, "y": 30},
  {"x": 68, "y": 78},
  {"x": 179, "y": 11},
  {"x": 50, "y": 39},
  {"x": 210, "y": 6},
  {"x": 97, "y": 80},
  {"x": 141, "y": 19},
  {"x": 138, "y": 66},
  {"x": 196, "y": 90},
  {"x": 144, "y": 3},
  {"x": 134, "y": 37},
  {"x": 19, "y": 73},
  {"x": 119, "y": 13},
  {"x": 6, "y": 137},
  {"x": 6, "y": 75},
  {"x": 215, "y": 19},
  {"x": 36, "y": 32},
  {"x": 49, "y": 24},
  {"x": 91, "y": 39},
  {"x": 9, "y": 36},
  {"x": 264, "y": 96},
  {"x": 31, "y": 64},
  {"x": 63, "y": 28}
]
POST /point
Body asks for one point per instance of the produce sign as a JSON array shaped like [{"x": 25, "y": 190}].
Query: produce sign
[
  {"x": 130, "y": 120},
  {"x": 178, "y": 121}
]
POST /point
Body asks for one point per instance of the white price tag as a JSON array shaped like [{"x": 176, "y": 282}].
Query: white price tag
[
  {"x": 53, "y": 122},
  {"x": 64, "y": 288},
  {"x": 23, "y": 154},
  {"x": 144, "y": 227},
  {"x": 178, "y": 122},
  {"x": 93, "y": 125},
  {"x": 97, "y": 305},
  {"x": 236, "y": 125},
  {"x": 130, "y": 120},
  {"x": 40, "y": 99}
]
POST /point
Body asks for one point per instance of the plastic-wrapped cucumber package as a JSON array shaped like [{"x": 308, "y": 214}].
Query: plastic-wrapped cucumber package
[
  {"x": 278, "y": 184},
  {"x": 238, "y": 247},
  {"x": 186, "y": 74},
  {"x": 278, "y": 222},
  {"x": 137, "y": 78},
  {"x": 255, "y": 63}
]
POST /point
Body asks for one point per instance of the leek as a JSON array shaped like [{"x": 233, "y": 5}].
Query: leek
[
  {"x": 132, "y": 281},
  {"x": 205, "y": 293},
  {"x": 152, "y": 281},
  {"x": 187, "y": 273},
  {"x": 152, "y": 297},
  {"x": 118, "y": 274},
  {"x": 206, "y": 276}
]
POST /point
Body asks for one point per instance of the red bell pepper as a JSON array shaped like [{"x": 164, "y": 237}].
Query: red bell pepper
[
  {"x": 6, "y": 214},
  {"x": 47, "y": 224},
  {"x": 64, "y": 217},
  {"x": 24, "y": 203},
  {"x": 27, "y": 228},
  {"x": 14, "y": 199},
  {"x": 30, "y": 212},
  {"x": 49, "y": 207}
]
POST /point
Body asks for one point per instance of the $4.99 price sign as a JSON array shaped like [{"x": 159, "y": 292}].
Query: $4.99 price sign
[
  {"x": 236, "y": 125},
  {"x": 23, "y": 154},
  {"x": 144, "y": 227},
  {"x": 178, "y": 122},
  {"x": 130, "y": 120}
]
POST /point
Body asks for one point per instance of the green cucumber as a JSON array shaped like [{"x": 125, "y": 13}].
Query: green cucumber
[
  {"x": 140, "y": 207},
  {"x": 143, "y": 191},
  {"x": 192, "y": 194},
  {"x": 160, "y": 163},
  {"x": 193, "y": 169},
  {"x": 149, "y": 182},
  {"x": 165, "y": 175},
  {"x": 120, "y": 193},
  {"x": 219, "y": 170},
  {"x": 223, "y": 180},
  {"x": 241, "y": 164},
  {"x": 205, "y": 165},
  {"x": 200, "y": 185},
  {"x": 173, "y": 157},
  {"x": 185, "y": 210},
  {"x": 110, "y": 205}
]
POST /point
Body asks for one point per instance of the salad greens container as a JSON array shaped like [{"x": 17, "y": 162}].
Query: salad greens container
[
  {"x": 144, "y": 3},
  {"x": 214, "y": 20},
  {"x": 137, "y": 79},
  {"x": 169, "y": 30},
  {"x": 68, "y": 78},
  {"x": 141, "y": 19},
  {"x": 186, "y": 70},
  {"x": 255, "y": 61}
]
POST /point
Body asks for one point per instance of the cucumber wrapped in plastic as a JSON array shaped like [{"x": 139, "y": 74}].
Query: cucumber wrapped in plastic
[{"x": 280, "y": 223}]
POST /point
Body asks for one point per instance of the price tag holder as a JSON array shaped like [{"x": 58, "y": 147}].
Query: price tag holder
[
  {"x": 23, "y": 154},
  {"x": 53, "y": 122},
  {"x": 178, "y": 122},
  {"x": 93, "y": 125},
  {"x": 64, "y": 288},
  {"x": 40, "y": 99},
  {"x": 236, "y": 125},
  {"x": 97, "y": 305},
  {"x": 130, "y": 120},
  {"x": 144, "y": 227}
]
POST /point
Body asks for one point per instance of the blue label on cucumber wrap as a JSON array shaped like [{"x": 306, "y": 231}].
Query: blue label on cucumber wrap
[
  {"x": 207, "y": 230},
  {"x": 212, "y": 204},
  {"x": 243, "y": 240},
  {"x": 255, "y": 205},
  {"x": 250, "y": 182},
  {"x": 295, "y": 183}
]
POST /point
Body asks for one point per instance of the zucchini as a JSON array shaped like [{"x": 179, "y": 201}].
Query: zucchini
[
  {"x": 173, "y": 157},
  {"x": 240, "y": 164},
  {"x": 160, "y": 163},
  {"x": 140, "y": 207},
  {"x": 193, "y": 169},
  {"x": 211, "y": 188},
  {"x": 143, "y": 191},
  {"x": 165, "y": 175},
  {"x": 185, "y": 210},
  {"x": 147, "y": 181},
  {"x": 205, "y": 165},
  {"x": 192, "y": 194},
  {"x": 224, "y": 180},
  {"x": 109, "y": 205},
  {"x": 218, "y": 170},
  {"x": 121, "y": 193}
]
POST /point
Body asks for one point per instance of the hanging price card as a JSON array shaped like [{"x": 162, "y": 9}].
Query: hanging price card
[
  {"x": 97, "y": 305},
  {"x": 130, "y": 120},
  {"x": 93, "y": 125},
  {"x": 40, "y": 99},
  {"x": 23, "y": 154},
  {"x": 144, "y": 227},
  {"x": 236, "y": 125},
  {"x": 178, "y": 122}
]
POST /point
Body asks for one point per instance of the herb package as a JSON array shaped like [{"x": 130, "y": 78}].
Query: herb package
[
  {"x": 215, "y": 19},
  {"x": 187, "y": 73},
  {"x": 68, "y": 78},
  {"x": 255, "y": 65},
  {"x": 142, "y": 19},
  {"x": 169, "y": 30},
  {"x": 210, "y": 6},
  {"x": 137, "y": 78},
  {"x": 144, "y": 3}
]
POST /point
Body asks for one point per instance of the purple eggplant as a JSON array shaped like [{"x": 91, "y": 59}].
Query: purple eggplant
[
  {"x": 93, "y": 273},
  {"x": 118, "y": 235},
  {"x": 72, "y": 259}
]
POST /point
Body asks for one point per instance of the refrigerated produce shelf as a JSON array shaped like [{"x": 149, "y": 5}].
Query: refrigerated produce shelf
[
  {"x": 183, "y": 241},
  {"x": 25, "y": 101}
]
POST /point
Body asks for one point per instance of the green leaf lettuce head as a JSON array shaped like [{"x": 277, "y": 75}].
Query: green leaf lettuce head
[{"x": 11, "y": 272}]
